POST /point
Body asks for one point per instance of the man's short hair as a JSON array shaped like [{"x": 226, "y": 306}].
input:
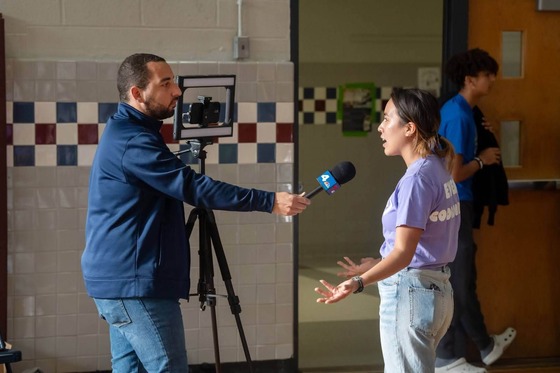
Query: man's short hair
[{"x": 134, "y": 71}]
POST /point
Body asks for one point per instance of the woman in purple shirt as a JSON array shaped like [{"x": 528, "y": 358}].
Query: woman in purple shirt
[{"x": 420, "y": 225}]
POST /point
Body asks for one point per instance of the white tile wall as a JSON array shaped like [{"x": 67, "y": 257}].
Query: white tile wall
[
  {"x": 55, "y": 323},
  {"x": 50, "y": 318}
]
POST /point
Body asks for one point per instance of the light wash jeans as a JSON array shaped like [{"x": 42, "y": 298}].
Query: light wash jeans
[
  {"x": 146, "y": 334},
  {"x": 415, "y": 311}
]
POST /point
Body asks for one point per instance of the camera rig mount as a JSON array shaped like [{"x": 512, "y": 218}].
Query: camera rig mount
[{"x": 202, "y": 120}]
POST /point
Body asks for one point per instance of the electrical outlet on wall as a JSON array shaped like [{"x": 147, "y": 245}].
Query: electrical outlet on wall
[{"x": 241, "y": 47}]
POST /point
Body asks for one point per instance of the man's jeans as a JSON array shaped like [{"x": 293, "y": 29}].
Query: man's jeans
[
  {"x": 415, "y": 311},
  {"x": 146, "y": 334},
  {"x": 468, "y": 320}
]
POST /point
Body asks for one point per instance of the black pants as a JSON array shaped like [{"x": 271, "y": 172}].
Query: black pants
[{"x": 468, "y": 321}]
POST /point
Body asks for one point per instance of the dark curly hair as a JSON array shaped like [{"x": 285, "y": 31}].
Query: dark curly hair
[{"x": 469, "y": 63}]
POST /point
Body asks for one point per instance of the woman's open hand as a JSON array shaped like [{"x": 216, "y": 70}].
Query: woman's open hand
[
  {"x": 333, "y": 294},
  {"x": 352, "y": 269}
]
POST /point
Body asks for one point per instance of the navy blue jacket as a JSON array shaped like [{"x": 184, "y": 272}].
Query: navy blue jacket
[{"x": 135, "y": 230}]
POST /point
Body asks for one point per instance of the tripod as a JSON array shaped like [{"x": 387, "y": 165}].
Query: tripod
[{"x": 208, "y": 238}]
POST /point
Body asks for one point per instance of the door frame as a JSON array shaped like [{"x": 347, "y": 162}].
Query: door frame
[
  {"x": 3, "y": 190},
  {"x": 454, "y": 40}
]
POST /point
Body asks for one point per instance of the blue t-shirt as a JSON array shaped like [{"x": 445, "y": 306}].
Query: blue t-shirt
[
  {"x": 458, "y": 126},
  {"x": 426, "y": 198}
]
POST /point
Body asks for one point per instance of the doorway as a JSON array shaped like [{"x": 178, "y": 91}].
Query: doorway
[
  {"x": 523, "y": 242},
  {"x": 385, "y": 43}
]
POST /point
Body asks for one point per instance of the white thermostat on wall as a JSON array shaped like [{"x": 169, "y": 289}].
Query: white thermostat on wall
[{"x": 429, "y": 78}]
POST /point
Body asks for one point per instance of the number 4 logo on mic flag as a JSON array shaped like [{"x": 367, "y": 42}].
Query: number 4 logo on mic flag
[{"x": 328, "y": 182}]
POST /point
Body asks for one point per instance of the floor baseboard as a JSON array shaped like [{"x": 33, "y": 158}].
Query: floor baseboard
[
  {"x": 261, "y": 366},
  {"x": 527, "y": 365}
]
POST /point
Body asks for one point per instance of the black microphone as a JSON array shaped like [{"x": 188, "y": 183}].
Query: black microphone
[{"x": 331, "y": 180}]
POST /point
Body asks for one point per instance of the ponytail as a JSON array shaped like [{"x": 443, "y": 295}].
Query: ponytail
[{"x": 444, "y": 149}]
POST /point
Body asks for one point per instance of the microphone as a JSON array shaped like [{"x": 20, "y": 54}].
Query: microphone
[{"x": 331, "y": 180}]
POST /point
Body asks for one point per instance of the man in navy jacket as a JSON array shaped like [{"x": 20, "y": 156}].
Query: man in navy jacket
[{"x": 137, "y": 259}]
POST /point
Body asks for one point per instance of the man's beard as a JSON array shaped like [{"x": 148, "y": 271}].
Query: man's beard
[{"x": 158, "y": 111}]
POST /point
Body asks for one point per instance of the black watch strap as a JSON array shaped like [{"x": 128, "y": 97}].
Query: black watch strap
[{"x": 360, "y": 282}]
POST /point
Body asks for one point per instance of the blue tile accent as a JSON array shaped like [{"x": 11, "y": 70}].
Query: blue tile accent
[
  {"x": 308, "y": 118},
  {"x": 105, "y": 110},
  {"x": 309, "y": 92},
  {"x": 24, "y": 112},
  {"x": 331, "y": 118},
  {"x": 223, "y": 111},
  {"x": 332, "y": 92},
  {"x": 266, "y": 112},
  {"x": 67, "y": 155},
  {"x": 376, "y": 121},
  {"x": 227, "y": 153},
  {"x": 24, "y": 155},
  {"x": 66, "y": 112},
  {"x": 266, "y": 153}
]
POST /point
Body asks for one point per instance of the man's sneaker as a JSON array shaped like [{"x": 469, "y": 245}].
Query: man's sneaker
[{"x": 501, "y": 342}]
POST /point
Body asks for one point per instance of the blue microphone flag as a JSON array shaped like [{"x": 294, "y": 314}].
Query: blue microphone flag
[{"x": 328, "y": 182}]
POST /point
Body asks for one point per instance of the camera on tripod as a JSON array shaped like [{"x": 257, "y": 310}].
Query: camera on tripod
[
  {"x": 204, "y": 112},
  {"x": 201, "y": 120}
]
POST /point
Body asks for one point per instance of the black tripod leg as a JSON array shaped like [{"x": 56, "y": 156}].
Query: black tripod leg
[
  {"x": 233, "y": 299},
  {"x": 204, "y": 254},
  {"x": 208, "y": 235},
  {"x": 205, "y": 288},
  {"x": 210, "y": 290}
]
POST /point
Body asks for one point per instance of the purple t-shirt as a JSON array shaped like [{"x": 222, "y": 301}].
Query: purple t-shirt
[{"x": 426, "y": 198}]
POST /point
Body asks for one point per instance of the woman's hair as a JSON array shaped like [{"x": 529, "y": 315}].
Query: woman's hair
[
  {"x": 134, "y": 71},
  {"x": 421, "y": 108},
  {"x": 469, "y": 63}
]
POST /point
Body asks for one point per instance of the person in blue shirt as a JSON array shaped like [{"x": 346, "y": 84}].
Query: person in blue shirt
[
  {"x": 420, "y": 225},
  {"x": 474, "y": 71},
  {"x": 136, "y": 262}
]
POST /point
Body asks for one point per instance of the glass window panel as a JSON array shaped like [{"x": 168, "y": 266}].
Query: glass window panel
[
  {"x": 509, "y": 140},
  {"x": 512, "y": 54}
]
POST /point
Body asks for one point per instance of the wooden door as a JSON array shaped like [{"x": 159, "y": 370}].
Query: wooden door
[{"x": 519, "y": 257}]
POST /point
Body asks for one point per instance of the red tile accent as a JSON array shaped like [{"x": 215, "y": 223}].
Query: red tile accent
[
  {"x": 167, "y": 133},
  {"x": 88, "y": 133},
  {"x": 284, "y": 132},
  {"x": 9, "y": 134},
  {"x": 247, "y": 132},
  {"x": 45, "y": 133},
  {"x": 320, "y": 105}
]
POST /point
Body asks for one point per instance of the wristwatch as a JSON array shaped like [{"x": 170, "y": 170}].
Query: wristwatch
[{"x": 360, "y": 282}]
